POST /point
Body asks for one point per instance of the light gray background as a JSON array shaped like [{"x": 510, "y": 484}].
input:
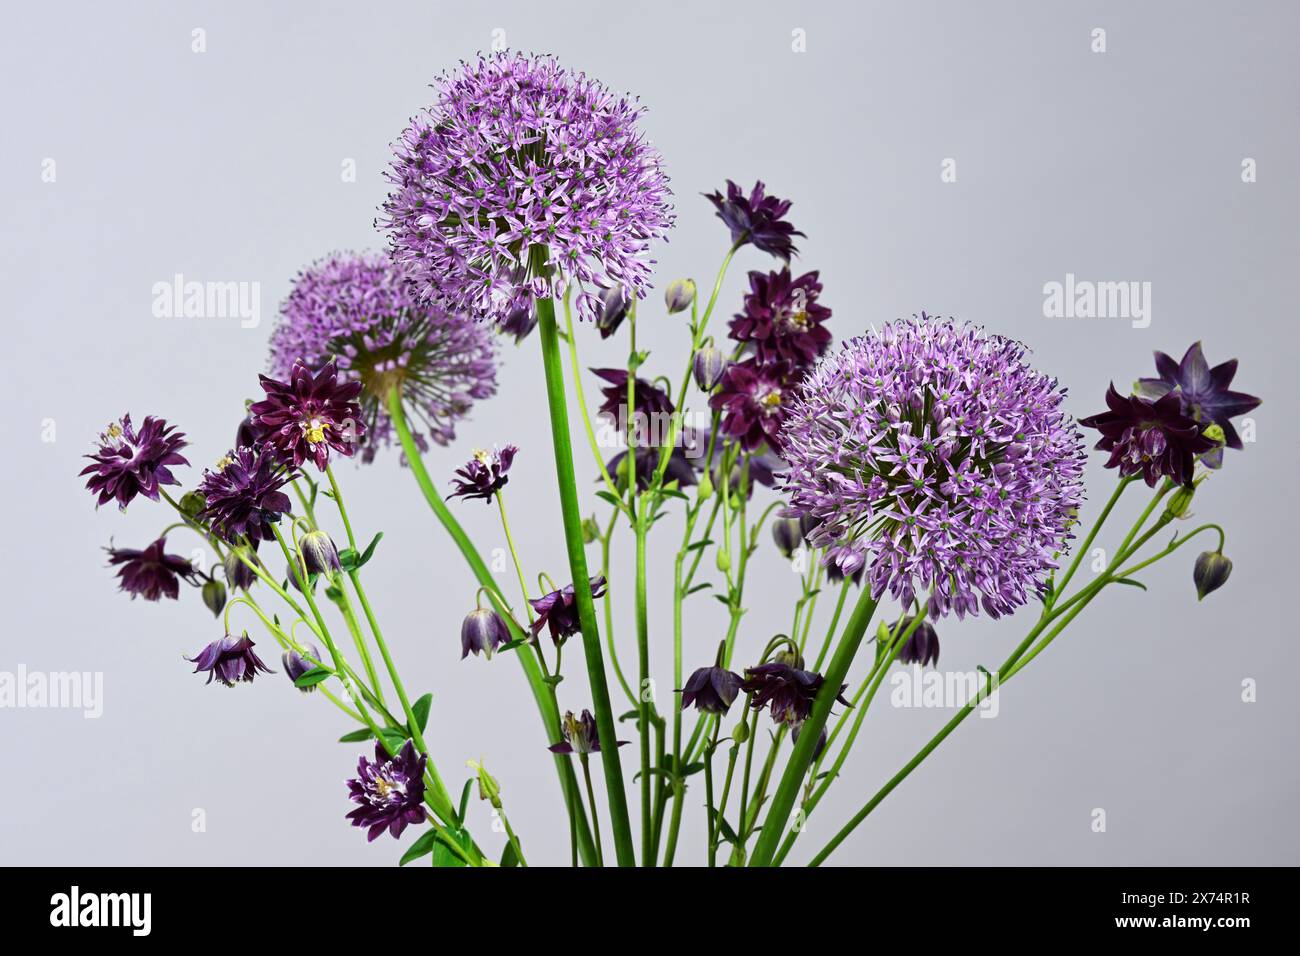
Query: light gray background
[{"x": 226, "y": 165}]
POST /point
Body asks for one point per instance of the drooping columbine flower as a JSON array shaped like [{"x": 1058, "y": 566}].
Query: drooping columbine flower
[
  {"x": 613, "y": 309},
  {"x": 580, "y": 735},
  {"x": 708, "y": 366},
  {"x": 295, "y": 664},
  {"x": 519, "y": 322},
  {"x": 360, "y": 311},
  {"x": 310, "y": 415},
  {"x": 230, "y": 660},
  {"x": 754, "y": 400},
  {"x": 239, "y": 575},
  {"x": 653, "y": 409},
  {"x": 484, "y": 474},
  {"x": 243, "y": 496},
  {"x": 922, "y": 647},
  {"x": 788, "y": 533},
  {"x": 782, "y": 319},
  {"x": 482, "y": 632},
  {"x": 558, "y": 610},
  {"x": 787, "y": 691},
  {"x": 389, "y": 791},
  {"x": 1203, "y": 393},
  {"x": 127, "y": 462},
  {"x": 151, "y": 573},
  {"x": 1152, "y": 439},
  {"x": 319, "y": 553},
  {"x": 758, "y": 219},
  {"x": 518, "y": 152},
  {"x": 711, "y": 689},
  {"x": 934, "y": 456}
]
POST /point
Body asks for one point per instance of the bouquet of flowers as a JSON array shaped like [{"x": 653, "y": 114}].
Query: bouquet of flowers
[{"x": 925, "y": 469}]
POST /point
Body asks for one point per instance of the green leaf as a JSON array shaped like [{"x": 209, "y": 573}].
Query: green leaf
[
  {"x": 1131, "y": 583},
  {"x": 464, "y": 801},
  {"x": 443, "y": 854},
  {"x": 698, "y": 587},
  {"x": 425, "y": 844},
  {"x": 606, "y": 496},
  {"x": 700, "y": 544},
  {"x": 348, "y": 559},
  {"x": 508, "y": 856},
  {"x": 312, "y": 677},
  {"x": 421, "y": 711},
  {"x": 356, "y": 735},
  {"x": 369, "y": 553},
  {"x": 724, "y": 828},
  {"x": 394, "y": 739}
]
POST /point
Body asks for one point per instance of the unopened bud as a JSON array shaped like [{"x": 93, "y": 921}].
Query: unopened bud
[{"x": 679, "y": 295}]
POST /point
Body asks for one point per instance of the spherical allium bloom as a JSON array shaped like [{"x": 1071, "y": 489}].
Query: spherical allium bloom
[
  {"x": 243, "y": 496},
  {"x": 518, "y": 153},
  {"x": 711, "y": 689},
  {"x": 580, "y": 735},
  {"x": 787, "y": 691},
  {"x": 1203, "y": 393},
  {"x": 922, "y": 647},
  {"x": 296, "y": 664},
  {"x": 151, "y": 573},
  {"x": 389, "y": 791},
  {"x": 653, "y": 406},
  {"x": 230, "y": 660},
  {"x": 754, "y": 399},
  {"x": 934, "y": 456},
  {"x": 1152, "y": 439},
  {"x": 757, "y": 218},
  {"x": 484, "y": 474},
  {"x": 361, "y": 312},
  {"x": 482, "y": 632},
  {"x": 127, "y": 462},
  {"x": 782, "y": 319},
  {"x": 310, "y": 414},
  {"x": 558, "y": 610}
]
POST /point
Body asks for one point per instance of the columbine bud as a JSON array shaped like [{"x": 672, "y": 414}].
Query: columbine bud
[
  {"x": 319, "y": 553},
  {"x": 238, "y": 574},
  {"x": 295, "y": 665},
  {"x": 488, "y": 788},
  {"x": 192, "y": 503},
  {"x": 1180, "y": 501},
  {"x": 214, "y": 595},
  {"x": 293, "y": 574},
  {"x": 741, "y": 732},
  {"x": 788, "y": 534},
  {"x": 590, "y": 530},
  {"x": 723, "y": 562},
  {"x": 705, "y": 489},
  {"x": 679, "y": 295},
  {"x": 1211, "y": 572},
  {"x": 710, "y": 363},
  {"x": 790, "y": 658},
  {"x": 483, "y": 631},
  {"x": 614, "y": 305}
]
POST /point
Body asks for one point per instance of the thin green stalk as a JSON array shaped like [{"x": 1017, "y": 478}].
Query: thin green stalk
[{"x": 595, "y": 814}]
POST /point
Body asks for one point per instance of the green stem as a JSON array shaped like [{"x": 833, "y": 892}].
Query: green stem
[{"x": 595, "y": 814}]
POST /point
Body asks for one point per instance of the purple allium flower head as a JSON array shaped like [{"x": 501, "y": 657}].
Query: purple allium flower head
[
  {"x": 1152, "y": 439},
  {"x": 653, "y": 405},
  {"x": 310, "y": 415},
  {"x": 389, "y": 791},
  {"x": 482, "y": 632},
  {"x": 922, "y": 647},
  {"x": 757, "y": 218},
  {"x": 295, "y": 664},
  {"x": 782, "y": 319},
  {"x": 1203, "y": 392},
  {"x": 932, "y": 455},
  {"x": 580, "y": 735},
  {"x": 754, "y": 399},
  {"x": 230, "y": 660},
  {"x": 786, "y": 690},
  {"x": 243, "y": 496},
  {"x": 711, "y": 689},
  {"x": 517, "y": 153},
  {"x": 127, "y": 462},
  {"x": 558, "y": 610},
  {"x": 361, "y": 312},
  {"x": 484, "y": 474},
  {"x": 151, "y": 573}
]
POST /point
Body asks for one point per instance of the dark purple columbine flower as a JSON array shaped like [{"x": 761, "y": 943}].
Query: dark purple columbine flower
[
  {"x": 389, "y": 791},
  {"x": 654, "y": 407},
  {"x": 711, "y": 689},
  {"x": 319, "y": 553},
  {"x": 230, "y": 660},
  {"x": 782, "y": 319},
  {"x": 295, "y": 664},
  {"x": 758, "y": 219},
  {"x": 152, "y": 573},
  {"x": 787, "y": 691},
  {"x": 788, "y": 535},
  {"x": 613, "y": 309},
  {"x": 127, "y": 462},
  {"x": 249, "y": 434},
  {"x": 482, "y": 632},
  {"x": 310, "y": 414},
  {"x": 922, "y": 647},
  {"x": 520, "y": 321},
  {"x": 243, "y": 496},
  {"x": 484, "y": 474},
  {"x": 580, "y": 735},
  {"x": 239, "y": 575},
  {"x": 680, "y": 469},
  {"x": 1152, "y": 439},
  {"x": 558, "y": 610},
  {"x": 1203, "y": 393},
  {"x": 754, "y": 401}
]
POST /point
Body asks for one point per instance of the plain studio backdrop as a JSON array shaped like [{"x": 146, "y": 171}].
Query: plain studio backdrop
[{"x": 130, "y": 158}]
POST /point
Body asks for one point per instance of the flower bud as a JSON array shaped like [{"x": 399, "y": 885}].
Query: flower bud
[
  {"x": 214, "y": 595},
  {"x": 319, "y": 553},
  {"x": 590, "y": 530},
  {"x": 295, "y": 664},
  {"x": 789, "y": 657},
  {"x": 614, "y": 305},
  {"x": 679, "y": 295},
  {"x": 483, "y": 631},
  {"x": 741, "y": 733},
  {"x": 1180, "y": 501},
  {"x": 723, "y": 562},
  {"x": 293, "y": 574},
  {"x": 709, "y": 365},
  {"x": 488, "y": 788},
  {"x": 192, "y": 502},
  {"x": 788, "y": 534},
  {"x": 1211, "y": 572},
  {"x": 239, "y": 575},
  {"x": 705, "y": 489}
]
